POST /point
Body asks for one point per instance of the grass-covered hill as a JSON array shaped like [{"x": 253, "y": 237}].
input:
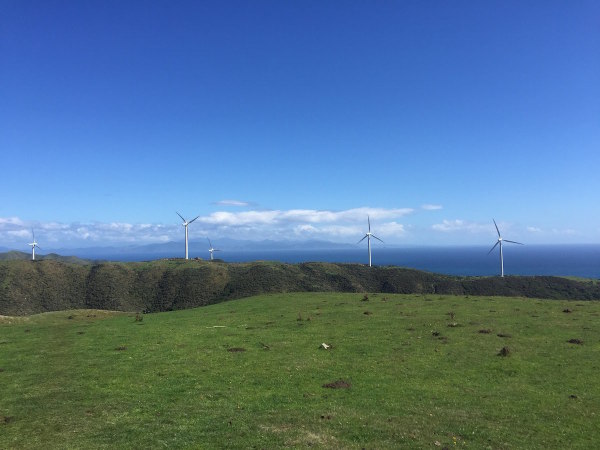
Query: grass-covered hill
[
  {"x": 14, "y": 255},
  {"x": 402, "y": 372},
  {"x": 28, "y": 287}
]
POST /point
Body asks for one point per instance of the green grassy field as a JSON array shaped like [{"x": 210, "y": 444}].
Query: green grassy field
[{"x": 412, "y": 371}]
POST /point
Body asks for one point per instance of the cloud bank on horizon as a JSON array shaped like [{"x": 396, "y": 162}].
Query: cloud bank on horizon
[{"x": 393, "y": 225}]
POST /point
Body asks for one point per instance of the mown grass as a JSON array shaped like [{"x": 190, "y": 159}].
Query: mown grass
[{"x": 424, "y": 372}]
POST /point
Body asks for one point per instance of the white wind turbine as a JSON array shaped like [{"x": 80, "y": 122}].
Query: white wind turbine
[
  {"x": 33, "y": 246},
  {"x": 499, "y": 241},
  {"x": 185, "y": 224},
  {"x": 368, "y": 236},
  {"x": 211, "y": 249}
]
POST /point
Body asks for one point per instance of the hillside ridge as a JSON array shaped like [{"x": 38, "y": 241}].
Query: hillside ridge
[{"x": 30, "y": 287}]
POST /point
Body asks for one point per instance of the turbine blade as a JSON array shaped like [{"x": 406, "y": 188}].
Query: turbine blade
[
  {"x": 194, "y": 219},
  {"x": 377, "y": 238},
  {"x": 180, "y": 216},
  {"x": 513, "y": 242},
  {"x": 369, "y": 221},
  {"x": 362, "y": 239},
  {"x": 497, "y": 242},
  {"x": 496, "y": 228},
  {"x": 210, "y": 245}
]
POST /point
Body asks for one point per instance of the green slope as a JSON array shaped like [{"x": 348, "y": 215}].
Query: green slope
[{"x": 413, "y": 371}]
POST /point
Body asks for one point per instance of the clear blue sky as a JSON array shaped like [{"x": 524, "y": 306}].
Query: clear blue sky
[{"x": 297, "y": 119}]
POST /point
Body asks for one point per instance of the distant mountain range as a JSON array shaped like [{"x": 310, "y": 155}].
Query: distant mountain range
[{"x": 197, "y": 248}]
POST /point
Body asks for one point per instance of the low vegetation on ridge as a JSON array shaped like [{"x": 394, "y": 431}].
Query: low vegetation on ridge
[{"x": 29, "y": 287}]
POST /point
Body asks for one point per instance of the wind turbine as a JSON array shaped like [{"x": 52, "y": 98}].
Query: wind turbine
[
  {"x": 368, "y": 236},
  {"x": 211, "y": 249},
  {"x": 33, "y": 246},
  {"x": 185, "y": 224},
  {"x": 499, "y": 241}
]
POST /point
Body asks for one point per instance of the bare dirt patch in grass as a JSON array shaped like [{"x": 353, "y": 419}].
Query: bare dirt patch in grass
[
  {"x": 6, "y": 419},
  {"x": 505, "y": 351},
  {"x": 484, "y": 331},
  {"x": 236, "y": 349},
  {"x": 338, "y": 384},
  {"x": 575, "y": 341},
  {"x": 504, "y": 335},
  {"x": 120, "y": 348}
]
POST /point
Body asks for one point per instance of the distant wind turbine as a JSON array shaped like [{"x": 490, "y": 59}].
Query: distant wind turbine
[
  {"x": 33, "y": 246},
  {"x": 211, "y": 249},
  {"x": 499, "y": 241},
  {"x": 185, "y": 224},
  {"x": 368, "y": 236}
]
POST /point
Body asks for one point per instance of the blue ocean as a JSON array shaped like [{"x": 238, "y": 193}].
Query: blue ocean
[{"x": 559, "y": 260}]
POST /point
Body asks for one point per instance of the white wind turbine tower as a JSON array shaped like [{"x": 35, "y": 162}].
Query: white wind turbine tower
[
  {"x": 185, "y": 224},
  {"x": 211, "y": 249},
  {"x": 368, "y": 236},
  {"x": 33, "y": 246},
  {"x": 499, "y": 241}
]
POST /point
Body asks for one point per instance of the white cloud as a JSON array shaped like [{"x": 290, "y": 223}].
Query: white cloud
[
  {"x": 428, "y": 207},
  {"x": 391, "y": 228},
  {"x": 327, "y": 232},
  {"x": 308, "y": 223},
  {"x": 302, "y": 216},
  {"x": 305, "y": 229},
  {"x": 342, "y": 226},
  {"x": 19, "y": 233},
  {"x": 232, "y": 203},
  {"x": 241, "y": 218},
  {"x": 448, "y": 226},
  {"x": 534, "y": 229},
  {"x": 11, "y": 221}
]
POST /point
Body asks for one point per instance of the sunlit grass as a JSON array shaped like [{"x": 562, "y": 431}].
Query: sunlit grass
[{"x": 421, "y": 370}]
